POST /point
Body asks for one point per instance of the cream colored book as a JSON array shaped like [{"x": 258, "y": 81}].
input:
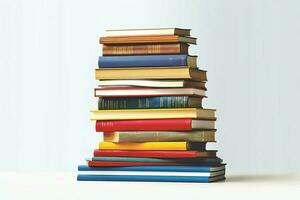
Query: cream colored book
[
  {"x": 168, "y": 113},
  {"x": 148, "y": 31},
  {"x": 160, "y": 136}
]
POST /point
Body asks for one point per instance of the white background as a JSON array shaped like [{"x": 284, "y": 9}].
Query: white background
[{"x": 49, "y": 49}]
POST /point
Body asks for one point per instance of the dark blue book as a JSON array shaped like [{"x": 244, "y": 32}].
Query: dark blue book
[
  {"x": 149, "y": 102},
  {"x": 149, "y": 178},
  {"x": 146, "y": 61}
]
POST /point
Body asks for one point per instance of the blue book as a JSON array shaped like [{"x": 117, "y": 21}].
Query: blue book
[
  {"x": 149, "y": 178},
  {"x": 146, "y": 61},
  {"x": 156, "y": 168},
  {"x": 149, "y": 102}
]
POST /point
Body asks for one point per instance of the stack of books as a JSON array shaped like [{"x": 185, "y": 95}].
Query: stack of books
[{"x": 150, "y": 111}]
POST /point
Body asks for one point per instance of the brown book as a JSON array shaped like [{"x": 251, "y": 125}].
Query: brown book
[
  {"x": 151, "y": 73},
  {"x": 145, "y": 49},
  {"x": 146, "y": 39},
  {"x": 159, "y": 136}
]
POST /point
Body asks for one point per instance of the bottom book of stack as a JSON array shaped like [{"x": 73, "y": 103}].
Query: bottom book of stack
[{"x": 197, "y": 174}]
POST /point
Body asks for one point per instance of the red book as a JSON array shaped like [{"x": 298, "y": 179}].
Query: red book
[
  {"x": 109, "y": 163},
  {"x": 154, "y": 154},
  {"x": 153, "y": 125}
]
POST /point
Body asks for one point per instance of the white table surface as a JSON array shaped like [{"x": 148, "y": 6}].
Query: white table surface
[{"x": 63, "y": 185}]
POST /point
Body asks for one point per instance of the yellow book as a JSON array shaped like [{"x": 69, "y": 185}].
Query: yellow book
[
  {"x": 167, "y": 113},
  {"x": 153, "y": 146},
  {"x": 150, "y": 73}
]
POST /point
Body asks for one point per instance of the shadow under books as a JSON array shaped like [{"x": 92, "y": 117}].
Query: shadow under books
[{"x": 258, "y": 178}]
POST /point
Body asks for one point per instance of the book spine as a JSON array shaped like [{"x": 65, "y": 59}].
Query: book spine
[
  {"x": 144, "y": 125},
  {"x": 109, "y": 163},
  {"x": 144, "y": 49},
  {"x": 161, "y": 136},
  {"x": 146, "y": 102},
  {"x": 142, "y": 61},
  {"x": 146, "y": 154}
]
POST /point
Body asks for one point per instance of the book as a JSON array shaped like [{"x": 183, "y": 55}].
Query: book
[
  {"x": 156, "y": 168},
  {"x": 148, "y": 31},
  {"x": 200, "y": 146},
  {"x": 163, "y": 113},
  {"x": 110, "y": 103},
  {"x": 146, "y": 39},
  {"x": 159, "y": 136},
  {"x": 215, "y": 160},
  {"x": 147, "y": 92},
  {"x": 148, "y": 178},
  {"x": 145, "y": 49},
  {"x": 147, "y": 61},
  {"x": 174, "y": 72},
  {"x": 153, "y": 83},
  {"x": 154, "y": 125},
  {"x": 154, "y": 154}
]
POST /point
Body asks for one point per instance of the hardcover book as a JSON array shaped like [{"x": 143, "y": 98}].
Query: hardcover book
[
  {"x": 148, "y": 31},
  {"x": 154, "y": 153},
  {"x": 154, "y": 125},
  {"x": 147, "y": 61},
  {"x": 110, "y": 103},
  {"x": 145, "y": 49},
  {"x": 199, "y": 146},
  {"x": 153, "y": 83},
  {"x": 159, "y": 136},
  {"x": 157, "y": 39},
  {"x": 181, "y": 72},
  {"x": 163, "y": 113},
  {"x": 147, "y": 92}
]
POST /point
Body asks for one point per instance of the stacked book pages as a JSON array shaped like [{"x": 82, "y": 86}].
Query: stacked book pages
[{"x": 150, "y": 111}]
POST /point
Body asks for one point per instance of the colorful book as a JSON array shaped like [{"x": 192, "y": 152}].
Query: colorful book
[
  {"x": 110, "y": 103},
  {"x": 154, "y": 154},
  {"x": 148, "y": 31},
  {"x": 164, "y": 113},
  {"x": 145, "y": 49},
  {"x": 159, "y": 136},
  {"x": 154, "y": 125},
  {"x": 147, "y": 92},
  {"x": 199, "y": 146},
  {"x": 179, "y": 72},
  {"x": 147, "y": 61},
  {"x": 215, "y": 160},
  {"x": 146, "y": 39},
  {"x": 153, "y": 83},
  {"x": 156, "y": 168}
]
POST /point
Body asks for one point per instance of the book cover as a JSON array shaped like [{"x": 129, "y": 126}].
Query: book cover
[
  {"x": 159, "y": 136},
  {"x": 145, "y": 49},
  {"x": 154, "y": 153},
  {"x": 147, "y": 178},
  {"x": 110, "y": 103},
  {"x": 183, "y": 124},
  {"x": 164, "y": 113},
  {"x": 200, "y": 146},
  {"x": 148, "y": 31},
  {"x": 146, "y": 61}
]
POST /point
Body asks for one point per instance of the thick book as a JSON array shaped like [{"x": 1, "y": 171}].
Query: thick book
[
  {"x": 145, "y": 49},
  {"x": 183, "y": 168},
  {"x": 153, "y": 83},
  {"x": 154, "y": 125},
  {"x": 147, "y": 61},
  {"x": 111, "y": 103},
  {"x": 180, "y": 72},
  {"x": 148, "y": 31},
  {"x": 163, "y": 113},
  {"x": 154, "y": 154},
  {"x": 215, "y": 160},
  {"x": 147, "y": 92},
  {"x": 148, "y": 178},
  {"x": 146, "y": 39},
  {"x": 199, "y": 146},
  {"x": 159, "y": 136}
]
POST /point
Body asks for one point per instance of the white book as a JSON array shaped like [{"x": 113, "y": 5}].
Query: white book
[{"x": 149, "y": 31}]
